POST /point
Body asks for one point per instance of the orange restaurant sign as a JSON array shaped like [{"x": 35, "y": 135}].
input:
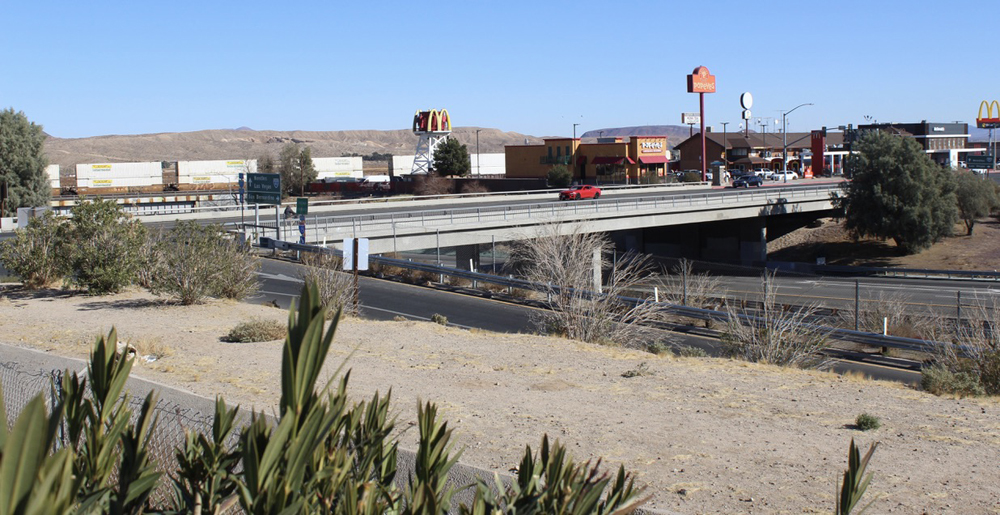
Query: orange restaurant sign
[{"x": 701, "y": 81}]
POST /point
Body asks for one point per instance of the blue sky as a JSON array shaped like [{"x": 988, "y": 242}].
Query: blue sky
[{"x": 95, "y": 68}]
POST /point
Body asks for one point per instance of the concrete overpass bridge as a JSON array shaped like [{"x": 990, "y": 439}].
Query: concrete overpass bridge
[{"x": 727, "y": 225}]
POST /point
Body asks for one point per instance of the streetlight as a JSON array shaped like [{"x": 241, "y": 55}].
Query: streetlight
[
  {"x": 784, "y": 142},
  {"x": 574, "y": 130},
  {"x": 725, "y": 145},
  {"x": 477, "y": 151}
]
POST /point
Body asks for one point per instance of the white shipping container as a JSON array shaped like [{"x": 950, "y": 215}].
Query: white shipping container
[
  {"x": 338, "y": 167},
  {"x": 119, "y": 175},
  {"x": 489, "y": 164},
  {"x": 400, "y": 165},
  {"x": 53, "y": 172},
  {"x": 214, "y": 172}
]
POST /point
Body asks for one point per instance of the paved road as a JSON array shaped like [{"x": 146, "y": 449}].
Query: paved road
[{"x": 385, "y": 300}]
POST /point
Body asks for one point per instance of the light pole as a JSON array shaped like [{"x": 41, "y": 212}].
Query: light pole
[
  {"x": 725, "y": 144},
  {"x": 477, "y": 151},
  {"x": 784, "y": 142},
  {"x": 574, "y": 130}
]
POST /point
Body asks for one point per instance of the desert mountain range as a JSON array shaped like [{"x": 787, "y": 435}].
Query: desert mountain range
[{"x": 245, "y": 143}]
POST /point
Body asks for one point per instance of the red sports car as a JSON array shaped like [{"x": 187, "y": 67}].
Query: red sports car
[{"x": 580, "y": 192}]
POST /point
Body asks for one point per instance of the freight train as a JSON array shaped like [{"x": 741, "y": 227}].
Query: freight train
[{"x": 170, "y": 176}]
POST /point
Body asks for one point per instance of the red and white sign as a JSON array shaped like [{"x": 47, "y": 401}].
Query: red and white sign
[{"x": 701, "y": 81}]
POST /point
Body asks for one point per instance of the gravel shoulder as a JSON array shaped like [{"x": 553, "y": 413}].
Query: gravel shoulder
[{"x": 706, "y": 435}]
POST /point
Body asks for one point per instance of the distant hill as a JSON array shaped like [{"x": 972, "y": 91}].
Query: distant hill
[
  {"x": 674, "y": 133},
  {"x": 246, "y": 143}
]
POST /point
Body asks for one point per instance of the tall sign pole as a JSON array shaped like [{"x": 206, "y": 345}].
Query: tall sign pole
[{"x": 701, "y": 81}]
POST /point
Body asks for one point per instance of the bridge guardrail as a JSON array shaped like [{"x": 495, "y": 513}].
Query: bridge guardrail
[{"x": 389, "y": 223}]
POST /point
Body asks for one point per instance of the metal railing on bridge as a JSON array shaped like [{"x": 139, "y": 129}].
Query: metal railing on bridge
[{"x": 388, "y": 224}]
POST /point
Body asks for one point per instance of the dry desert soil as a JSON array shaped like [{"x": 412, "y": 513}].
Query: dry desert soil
[{"x": 706, "y": 435}]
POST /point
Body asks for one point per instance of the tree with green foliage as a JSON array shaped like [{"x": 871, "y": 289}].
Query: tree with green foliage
[
  {"x": 265, "y": 164},
  {"x": 977, "y": 197},
  {"x": 22, "y": 162},
  {"x": 296, "y": 167},
  {"x": 195, "y": 261},
  {"x": 103, "y": 245},
  {"x": 559, "y": 176},
  {"x": 897, "y": 192},
  {"x": 33, "y": 253},
  {"x": 451, "y": 158}
]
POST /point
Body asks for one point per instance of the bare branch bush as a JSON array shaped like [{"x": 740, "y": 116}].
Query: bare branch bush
[
  {"x": 890, "y": 309},
  {"x": 685, "y": 288},
  {"x": 774, "y": 334},
  {"x": 336, "y": 288},
  {"x": 565, "y": 261},
  {"x": 968, "y": 359}
]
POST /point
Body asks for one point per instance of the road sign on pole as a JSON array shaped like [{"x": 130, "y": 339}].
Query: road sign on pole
[
  {"x": 264, "y": 188},
  {"x": 979, "y": 161}
]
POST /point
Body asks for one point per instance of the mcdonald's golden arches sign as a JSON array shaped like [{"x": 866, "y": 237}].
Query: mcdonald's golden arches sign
[{"x": 992, "y": 120}]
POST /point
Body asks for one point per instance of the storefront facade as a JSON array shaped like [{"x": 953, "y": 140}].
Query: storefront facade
[{"x": 641, "y": 159}]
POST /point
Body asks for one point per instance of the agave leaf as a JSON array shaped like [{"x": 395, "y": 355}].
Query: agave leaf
[{"x": 24, "y": 452}]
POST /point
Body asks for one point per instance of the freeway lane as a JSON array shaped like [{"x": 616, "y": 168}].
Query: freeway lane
[{"x": 385, "y": 300}]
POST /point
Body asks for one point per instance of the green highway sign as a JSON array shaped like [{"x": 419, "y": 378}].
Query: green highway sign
[
  {"x": 978, "y": 161},
  {"x": 263, "y": 188},
  {"x": 301, "y": 206}
]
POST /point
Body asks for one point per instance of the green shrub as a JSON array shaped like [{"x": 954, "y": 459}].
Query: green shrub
[
  {"x": 687, "y": 351},
  {"x": 939, "y": 380},
  {"x": 657, "y": 348},
  {"x": 256, "y": 330},
  {"x": 439, "y": 319},
  {"x": 559, "y": 176},
  {"x": 33, "y": 254},
  {"x": 691, "y": 177},
  {"x": 641, "y": 370},
  {"x": 103, "y": 245},
  {"x": 867, "y": 422},
  {"x": 192, "y": 262}
]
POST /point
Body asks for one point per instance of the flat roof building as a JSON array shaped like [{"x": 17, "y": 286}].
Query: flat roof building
[{"x": 636, "y": 160}]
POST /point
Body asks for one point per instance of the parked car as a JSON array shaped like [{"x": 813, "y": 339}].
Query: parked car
[
  {"x": 745, "y": 181},
  {"x": 785, "y": 175},
  {"x": 580, "y": 192},
  {"x": 763, "y": 173}
]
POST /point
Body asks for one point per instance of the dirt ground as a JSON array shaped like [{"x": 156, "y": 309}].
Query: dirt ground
[
  {"x": 980, "y": 251},
  {"x": 705, "y": 435}
]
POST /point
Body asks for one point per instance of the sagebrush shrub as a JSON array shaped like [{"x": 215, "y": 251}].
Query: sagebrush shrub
[
  {"x": 868, "y": 422},
  {"x": 33, "y": 254},
  {"x": 256, "y": 330},
  {"x": 103, "y": 246},
  {"x": 939, "y": 380}
]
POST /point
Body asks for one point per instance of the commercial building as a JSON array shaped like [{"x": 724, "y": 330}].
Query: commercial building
[
  {"x": 946, "y": 143},
  {"x": 756, "y": 151},
  {"x": 637, "y": 159}
]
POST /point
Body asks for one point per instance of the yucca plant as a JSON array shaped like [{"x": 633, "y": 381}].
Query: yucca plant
[
  {"x": 855, "y": 482},
  {"x": 101, "y": 464},
  {"x": 552, "y": 483},
  {"x": 205, "y": 480},
  {"x": 324, "y": 455},
  {"x": 110, "y": 451},
  {"x": 34, "y": 481}
]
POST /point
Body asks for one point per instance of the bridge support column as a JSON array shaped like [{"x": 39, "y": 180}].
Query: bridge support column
[
  {"x": 753, "y": 241},
  {"x": 466, "y": 256}
]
